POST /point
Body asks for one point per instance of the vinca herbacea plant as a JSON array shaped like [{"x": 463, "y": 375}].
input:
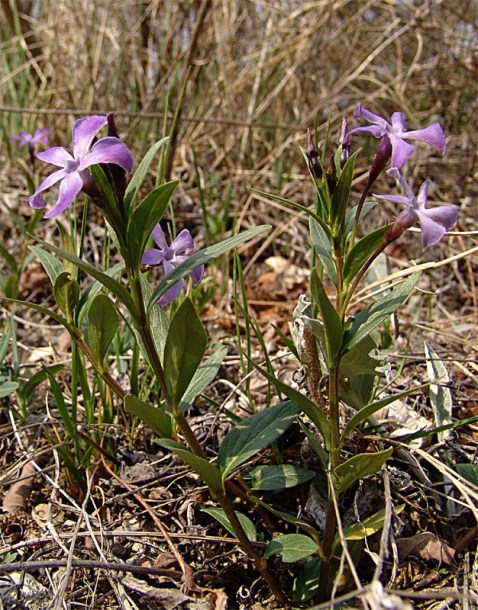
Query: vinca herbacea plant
[{"x": 337, "y": 346}]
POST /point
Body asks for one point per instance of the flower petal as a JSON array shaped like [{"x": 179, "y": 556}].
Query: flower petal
[
  {"x": 394, "y": 173},
  {"x": 70, "y": 186},
  {"x": 36, "y": 200},
  {"x": 152, "y": 256},
  {"x": 401, "y": 150},
  {"x": 84, "y": 130},
  {"x": 56, "y": 155},
  {"x": 445, "y": 215},
  {"x": 398, "y": 123},
  {"x": 400, "y": 199},
  {"x": 41, "y": 135},
  {"x": 432, "y": 232},
  {"x": 158, "y": 237},
  {"x": 183, "y": 242},
  {"x": 375, "y": 130},
  {"x": 197, "y": 274},
  {"x": 363, "y": 113},
  {"x": 433, "y": 135},
  {"x": 108, "y": 150},
  {"x": 171, "y": 293}
]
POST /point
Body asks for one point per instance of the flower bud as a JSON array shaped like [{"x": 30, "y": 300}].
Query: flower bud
[
  {"x": 313, "y": 157},
  {"x": 381, "y": 158},
  {"x": 403, "y": 221},
  {"x": 344, "y": 141}
]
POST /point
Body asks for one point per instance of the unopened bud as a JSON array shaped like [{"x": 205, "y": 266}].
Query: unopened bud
[
  {"x": 344, "y": 141},
  {"x": 381, "y": 158},
  {"x": 313, "y": 157},
  {"x": 403, "y": 221}
]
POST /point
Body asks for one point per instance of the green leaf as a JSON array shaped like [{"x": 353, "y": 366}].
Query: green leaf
[
  {"x": 358, "y": 467},
  {"x": 44, "y": 311},
  {"x": 369, "y": 526},
  {"x": 351, "y": 212},
  {"x": 140, "y": 174},
  {"x": 370, "y": 317},
  {"x": 283, "y": 476},
  {"x": 102, "y": 326},
  {"x": 307, "y": 406},
  {"x": 203, "y": 376},
  {"x": 50, "y": 263},
  {"x": 7, "y": 387},
  {"x": 247, "y": 525},
  {"x": 146, "y": 216},
  {"x": 323, "y": 248},
  {"x": 160, "y": 422},
  {"x": 67, "y": 294},
  {"x": 468, "y": 472},
  {"x": 291, "y": 547},
  {"x": 375, "y": 406},
  {"x": 104, "y": 186},
  {"x": 330, "y": 317},
  {"x": 185, "y": 346},
  {"x": 70, "y": 425},
  {"x": 26, "y": 390},
  {"x": 254, "y": 434},
  {"x": 361, "y": 252},
  {"x": 116, "y": 287},
  {"x": 341, "y": 194},
  {"x": 157, "y": 318},
  {"x": 93, "y": 289},
  {"x": 207, "y": 471},
  {"x": 306, "y": 584},
  {"x": 202, "y": 257}
]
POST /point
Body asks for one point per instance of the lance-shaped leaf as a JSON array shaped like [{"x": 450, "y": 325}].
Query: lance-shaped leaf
[
  {"x": 352, "y": 212},
  {"x": 323, "y": 247},
  {"x": 282, "y": 476},
  {"x": 330, "y": 317},
  {"x": 361, "y": 252},
  {"x": 157, "y": 419},
  {"x": 369, "y": 526},
  {"x": 254, "y": 434},
  {"x": 373, "y": 315},
  {"x": 145, "y": 217},
  {"x": 140, "y": 174},
  {"x": 220, "y": 515},
  {"x": 341, "y": 194},
  {"x": 291, "y": 547},
  {"x": 358, "y": 467},
  {"x": 116, "y": 287},
  {"x": 185, "y": 346},
  {"x": 67, "y": 294},
  {"x": 50, "y": 263},
  {"x": 203, "y": 376},
  {"x": 102, "y": 326},
  {"x": 207, "y": 471},
  {"x": 202, "y": 257},
  {"x": 440, "y": 394},
  {"x": 104, "y": 186},
  {"x": 302, "y": 402}
]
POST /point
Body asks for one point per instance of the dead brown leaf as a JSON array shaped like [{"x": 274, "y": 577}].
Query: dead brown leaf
[{"x": 426, "y": 546}]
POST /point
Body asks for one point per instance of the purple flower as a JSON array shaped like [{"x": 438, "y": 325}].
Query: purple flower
[
  {"x": 73, "y": 175},
  {"x": 434, "y": 222},
  {"x": 27, "y": 139},
  {"x": 397, "y": 133},
  {"x": 170, "y": 257}
]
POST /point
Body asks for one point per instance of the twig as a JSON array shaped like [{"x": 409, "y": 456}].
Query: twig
[{"x": 387, "y": 524}]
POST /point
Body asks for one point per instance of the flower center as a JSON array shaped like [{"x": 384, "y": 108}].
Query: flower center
[
  {"x": 168, "y": 253},
  {"x": 71, "y": 166}
]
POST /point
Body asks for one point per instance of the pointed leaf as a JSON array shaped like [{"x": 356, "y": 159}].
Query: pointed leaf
[
  {"x": 67, "y": 294},
  {"x": 203, "y": 376},
  {"x": 291, "y": 547},
  {"x": 157, "y": 419},
  {"x": 330, "y": 317},
  {"x": 323, "y": 248},
  {"x": 247, "y": 525},
  {"x": 254, "y": 434},
  {"x": 140, "y": 174},
  {"x": 303, "y": 403},
  {"x": 207, "y": 471},
  {"x": 373, "y": 315},
  {"x": 351, "y": 212},
  {"x": 202, "y": 257},
  {"x": 440, "y": 394},
  {"x": 185, "y": 347},
  {"x": 357, "y": 467},
  {"x": 102, "y": 326},
  {"x": 283, "y": 476},
  {"x": 468, "y": 472},
  {"x": 116, "y": 287},
  {"x": 44, "y": 311},
  {"x": 361, "y": 252},
  {"x": 7, "y": 387},
  {"x": 50, "y": 263},
  {"x": 341, "y": 194},
  {"x": 145, "y": 217},
  {"x": 368, "y": 527}
]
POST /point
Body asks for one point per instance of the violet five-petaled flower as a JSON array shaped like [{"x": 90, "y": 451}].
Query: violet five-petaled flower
[
  {"x": 397, "y": 133},
  {"x": 73, "y": 174},
  {"x": 24, "y": 138},
  {"x": 434, "y": 222},
  {"x": 170, "y": 257}
]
